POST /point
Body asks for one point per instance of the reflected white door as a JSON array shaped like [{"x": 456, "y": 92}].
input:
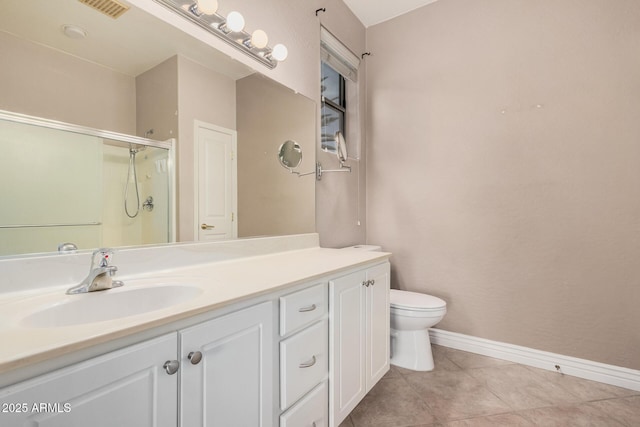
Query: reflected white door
[{"x": 216, "y": 182}]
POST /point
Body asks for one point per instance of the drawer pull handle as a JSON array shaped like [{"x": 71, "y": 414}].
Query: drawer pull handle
[
  {"x": 308, "y": 364},
  {"x": 308, "y": 308}
]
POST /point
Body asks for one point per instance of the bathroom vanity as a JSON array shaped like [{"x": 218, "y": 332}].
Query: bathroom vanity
[{"x": 270, "y": 331}]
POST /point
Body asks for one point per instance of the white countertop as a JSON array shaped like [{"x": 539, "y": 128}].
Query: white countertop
[{"x": 221, "y": 282}]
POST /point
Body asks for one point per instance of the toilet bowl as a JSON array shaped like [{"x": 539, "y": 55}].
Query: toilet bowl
[{"x": 412, "y": 314}]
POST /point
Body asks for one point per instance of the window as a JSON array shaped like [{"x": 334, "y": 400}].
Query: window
[
  {"x": 339, "y": 90},
  {"x": 334, "y": 106}
]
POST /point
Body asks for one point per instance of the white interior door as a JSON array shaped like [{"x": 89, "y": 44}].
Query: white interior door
[{"x": 216, "y": 182}]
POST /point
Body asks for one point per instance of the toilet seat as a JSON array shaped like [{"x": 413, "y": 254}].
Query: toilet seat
[{"x": 414, "y": 301}]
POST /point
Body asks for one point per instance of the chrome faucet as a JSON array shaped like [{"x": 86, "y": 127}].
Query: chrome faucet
[{"x": 100, "y": 274}]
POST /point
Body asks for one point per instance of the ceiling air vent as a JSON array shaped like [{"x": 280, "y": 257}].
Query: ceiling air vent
[{"x": 112, "y": 8}]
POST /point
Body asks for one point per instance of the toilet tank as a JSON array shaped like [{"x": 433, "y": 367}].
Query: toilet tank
[{"x": 372, "y": 248}]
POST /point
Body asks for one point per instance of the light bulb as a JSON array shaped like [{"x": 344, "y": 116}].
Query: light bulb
[
  {"x": 235, "y": 21},
  {"x": 279, "y": 52},
  {"x": 208, "y": 7},
  {"x": 259, "y": 39}
]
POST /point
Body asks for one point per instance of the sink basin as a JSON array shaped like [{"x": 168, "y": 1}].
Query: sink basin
[{"x": 110, "y": 304}]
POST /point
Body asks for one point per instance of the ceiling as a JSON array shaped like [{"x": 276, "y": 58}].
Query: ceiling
[
  {"x": 136, "y": 41},
  {"x": 371, "y": 12},
  {"x": 130, "y": 44}
]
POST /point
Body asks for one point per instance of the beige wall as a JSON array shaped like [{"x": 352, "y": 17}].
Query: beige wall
[
  {"x": 271, "y": 201},
  {"x": 503, "y": 168},
  {"x": 341, "y": 197},
  {"x": 290, "y": 22},
  {"x": 207, "y": 96},
  {"x": 171, "y": 96},
  {"x": 157, "y": 101},
  {"x": 43, "y": 82}
]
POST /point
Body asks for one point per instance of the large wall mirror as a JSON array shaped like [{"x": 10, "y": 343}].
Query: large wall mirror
[{"x": 137, "y": 75}]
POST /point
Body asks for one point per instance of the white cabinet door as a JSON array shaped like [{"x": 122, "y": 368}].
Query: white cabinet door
[
  {"x": 127, "y": 387},
  {"x": 347, "y": 345},
  {"x": 232, "y": 382},
  {"x": 359, "y": 337},
  {"x": 378, "y": 324}
]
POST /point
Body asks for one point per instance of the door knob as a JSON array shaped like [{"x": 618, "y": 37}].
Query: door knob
[
  {"x": 171, "y": 366},
  {"x": 207, "y": 226},
  {"x": 195, "y": 357}
]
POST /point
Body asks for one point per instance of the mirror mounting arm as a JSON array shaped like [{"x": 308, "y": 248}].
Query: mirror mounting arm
[
  {"x": 302, "y": 174},
  {"x": 320, "y": 171}
]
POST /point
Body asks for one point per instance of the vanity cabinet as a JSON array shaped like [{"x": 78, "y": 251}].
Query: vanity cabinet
[
  {"x": 221, "y": 376},
  {"x": 359, "y": 337},
  {"x": 127, "y": 387},
  {"x": 302, "y": 357},
  {"x": 226, "y": 370}
]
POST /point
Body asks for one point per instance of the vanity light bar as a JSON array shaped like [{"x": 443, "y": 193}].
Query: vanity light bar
[{"x": 230, "y": 31}]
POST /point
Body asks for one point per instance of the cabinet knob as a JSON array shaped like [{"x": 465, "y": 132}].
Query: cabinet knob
[
  {"x": 308, "y": 308},
  {"x": 195, "y": 357},
  {"x": 309, "y": 363},
  {"x": 373, "y": 282},
  {"x": 207, "y": 226},
  {"x": 365, "y": 283},
  {"x": 171, "y": 366}
]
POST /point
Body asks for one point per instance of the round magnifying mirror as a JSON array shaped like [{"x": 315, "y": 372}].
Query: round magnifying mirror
[
  {"x": 341, "y": 146},
  {"x": 290, "y": 154}
]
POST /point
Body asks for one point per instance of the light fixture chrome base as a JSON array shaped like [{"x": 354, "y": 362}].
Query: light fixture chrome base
[{"x": 215, "y": 24}]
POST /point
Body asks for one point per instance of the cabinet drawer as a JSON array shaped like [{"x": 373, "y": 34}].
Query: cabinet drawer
[
  {"x": 302, "y": 308},
  {"x": 311, "y": 411},
  {"x": 303, "y": 362}
]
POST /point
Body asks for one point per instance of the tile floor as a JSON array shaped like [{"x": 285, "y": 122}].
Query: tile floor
[{"x": 469, "y": 390}]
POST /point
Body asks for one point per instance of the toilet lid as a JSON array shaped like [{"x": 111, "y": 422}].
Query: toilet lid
[{"x": 415, "y": 300}]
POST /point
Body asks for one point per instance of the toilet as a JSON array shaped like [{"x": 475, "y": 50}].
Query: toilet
[{"x": 412, "y": 314}]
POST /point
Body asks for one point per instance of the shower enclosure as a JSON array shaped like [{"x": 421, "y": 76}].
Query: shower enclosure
[{"x": 65, "y": 183}]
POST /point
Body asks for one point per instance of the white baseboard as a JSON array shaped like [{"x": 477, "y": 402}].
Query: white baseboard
[{"x": 587, "y": 369}]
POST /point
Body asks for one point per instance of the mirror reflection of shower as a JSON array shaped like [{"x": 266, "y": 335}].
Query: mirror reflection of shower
[
  {"x": 86, "y": 211},
  {"x": 131, "y": 173}
]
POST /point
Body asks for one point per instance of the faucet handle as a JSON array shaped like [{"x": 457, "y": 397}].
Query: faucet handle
[{"x": 103, "y": 256}]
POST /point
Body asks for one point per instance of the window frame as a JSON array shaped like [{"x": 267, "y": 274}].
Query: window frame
[{"x": 339, "y": 108}]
